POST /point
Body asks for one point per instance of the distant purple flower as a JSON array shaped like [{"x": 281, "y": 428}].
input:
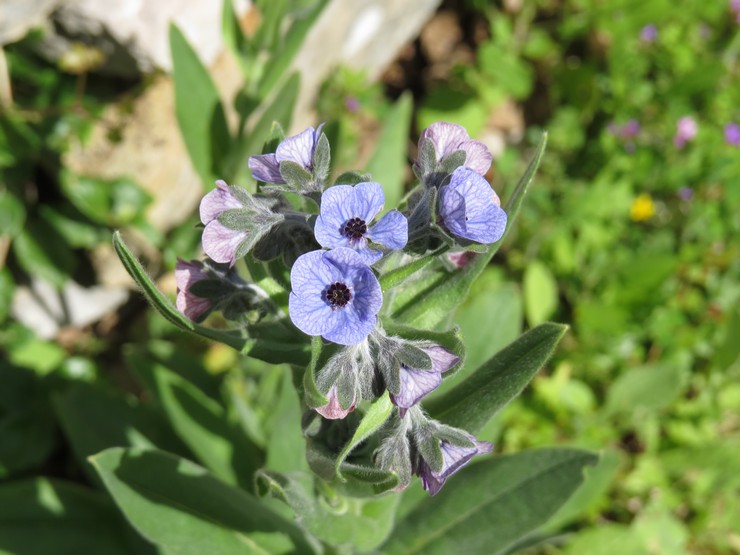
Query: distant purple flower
[
  {"x": 649, "y": 33},
  {"x": 450, "y": 137},
  {"x": 470, "y": 208},
  {"x": 686, "y": 130},
  {"x": 344, "y": 221},
  {"x": 219, "y": 242},
  {"x": 735, "y": 7},
  {"x": 454, "y": 458},
  {"x": 732, "y": 132},
  {"x": 333, "y": 410},
  {"x": 298, "y": 148},
  {"x": 416, "y": 382},
  {"x": 186, "y": 275},
  {"x": 686, "y": 194},
  {"x": 334, "y": 295},
  {"x": 352, "y": 104},
  {"x": 630, "y": 129}
]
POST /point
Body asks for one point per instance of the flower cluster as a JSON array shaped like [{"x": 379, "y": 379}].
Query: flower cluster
[{"x": 334, "y": 261}]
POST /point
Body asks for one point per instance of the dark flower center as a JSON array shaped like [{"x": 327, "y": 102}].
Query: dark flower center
[
  {"x": 354, "y": 228},
  {"x": 338, "y": 295}
]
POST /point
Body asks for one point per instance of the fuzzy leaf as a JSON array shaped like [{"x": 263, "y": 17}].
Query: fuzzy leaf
[
  {"x": 491, "y": 504},
  {"x": 472, "y": 403}
]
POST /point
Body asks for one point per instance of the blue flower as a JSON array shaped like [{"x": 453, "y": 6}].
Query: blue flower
[
  {"x": 344, "y": 221},
  {"x": 470, "y": 208},
  {"x": 334, "y": 295},
  {"x": 448, "y": 138},
  {"x": 454, "y": 457},
  {"x": 298, "y": 148},
  {"x": 416, "y": 382}
]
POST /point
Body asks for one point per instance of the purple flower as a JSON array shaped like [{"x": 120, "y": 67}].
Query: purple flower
[
  {"x": 448, "y": 138},
  {"x": 219, "y": 242},
  {"x": 470, "y": 208},
  {"x": 333, "y": 410},
  {"x": 686, "y": 194},
  {"x": 732, "y": 132},
  {"x": 334, "y": 295},
  {"x": 186, "y": 275},
  {"x": 416, "y": 382},
  {"x": 649, "y": 33},
  {"x": 344, "y": 221},
  {"x": 298, "y": 148},
  {"x": 686, "y": 130},
  {"x": 454, "y": 457},
  {"x": 352, "y": 104}
]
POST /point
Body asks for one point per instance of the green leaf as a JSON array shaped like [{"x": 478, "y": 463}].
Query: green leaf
[
  {"x": 202, "y": 425},
  {"x": 94, "y": 419},
  {"x": 540, "y": 293},
  {"x": 50, "y": 517},
  {"x": 491, "y": 504},
  {"x": 286, "y": 447},
  {"x": 280, "y": 61},
  {"x": 42, "y": 253},
  {"x": 12, "y": 214},
  {"x": 7, "y": 289},
  {"x": 371, "y": 422},
  {"x": 432, "y": 306},
  {"x": 199, "y": 111},
  {"x": 339, "y": 521},
  {"x": 182, "y": 508},
  {"x": 472, "y": 403},
  {"x": 648, "y": 387},
  {"x": 399, "y": 275},
  {"x": 389, "y": 159},
  {"x": 280, "y": 110},
  {"x": 489, "y": 319},
  {"x": 163, "y": 305}
]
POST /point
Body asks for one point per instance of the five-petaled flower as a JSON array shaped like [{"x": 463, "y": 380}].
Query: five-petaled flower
[
  {"x": 186, "y": 275},
  {"x": 344, "y": 221},
  {"x": 454, "y": 457},
  {"x": 469, "y": 207},
  {"x": 334, "y": 294},
  {"x": 418, "y": 382},
  {"x": 448, "y": 138},
  {"x": 298, "y": 148}
]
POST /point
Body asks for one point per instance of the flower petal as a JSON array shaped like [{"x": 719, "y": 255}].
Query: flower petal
[
  {"x": 392, "y": 230},
  {"x": 298, "y": 148},
  {"x": 452, "y": 210},
  {"x": 447, "y": 137},
  {"x": 350, "y": 327},
  {"x": 221, "y": 243},
  {"x": 415, "y": 384},
  {"x": 266, "y": 168},
  {"x": 478, "y": 157},
  {"x": 442, "y": 359},
  {"x": 333, "y": 216},
  {"x": 367, "y": 200},
  {"x": 311, "y": 314},
  {"x": 487, "y": 227},
  {"x": 311, "y": 273},
  {"x": 217, "y": 201},
  {"x": 333, "y": 410}
]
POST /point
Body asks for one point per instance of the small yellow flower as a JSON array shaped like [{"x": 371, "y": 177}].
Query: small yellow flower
[{"x": 643, "y": 208}]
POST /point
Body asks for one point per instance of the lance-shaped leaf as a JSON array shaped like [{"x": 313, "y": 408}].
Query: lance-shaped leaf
[
  {"x": 200, "y": 113},
  {"x": 473, "y": 402},
  {"x": 431, "y": 306},
  {"x": 185, "y": 510},
  {"x": 491, "y": 504},
  {"x": 373, "y": 420}
]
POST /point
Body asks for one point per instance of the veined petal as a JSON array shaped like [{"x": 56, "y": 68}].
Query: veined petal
[
  {"x": 447, "y": 137},
  {"x": 415, "y": 384},
  {"x": 442, "y": 359},
  {"x": 266, "y": 168},
  {"x": 333, "y": 410},
  {"x": 478, "y": 158},
  {"x": 311, "y": 273},
  {"x": 311, "y": 314},
  {"x": 221, "y": 243},
  {"x": 350, "y": 327},
  {"x": 486, "y": 226},
  {"x": 369, "y": 255},
  {"x": 452, "y": 210},
  {"x": 367, "y": 200},
  {"x": 392, "y": 230},
  {"x": 217, "y": 201},
  {"x": 298, "y": 148}
]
